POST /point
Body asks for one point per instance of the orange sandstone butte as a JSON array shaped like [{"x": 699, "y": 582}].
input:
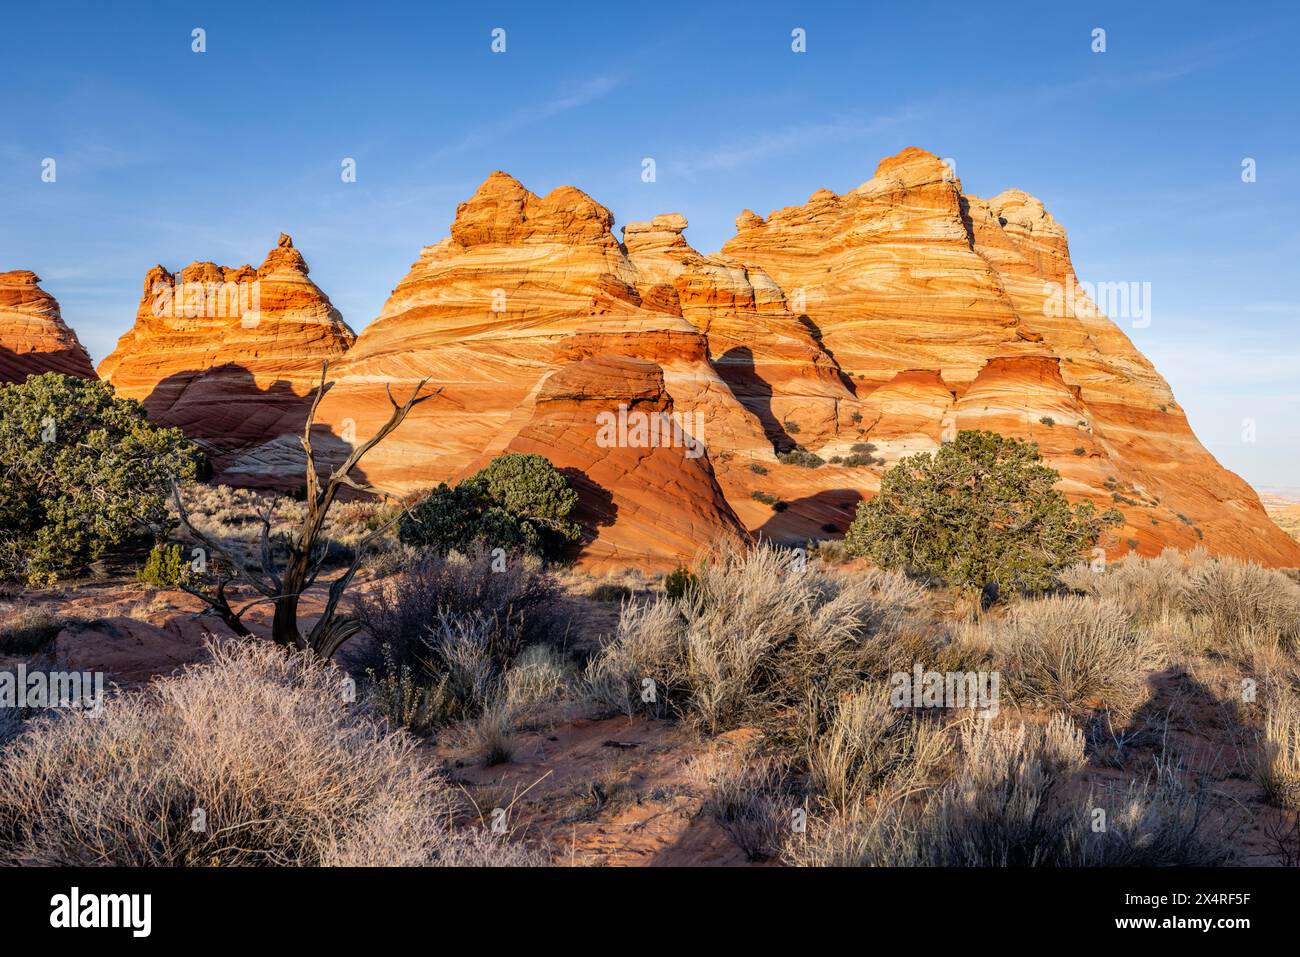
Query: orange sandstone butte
[
  {"x": 33, "y": 337},
  {"x": 863, "y": 326}
]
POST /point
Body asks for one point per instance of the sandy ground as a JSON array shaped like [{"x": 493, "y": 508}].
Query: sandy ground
[{"x": 615, "y": 791}]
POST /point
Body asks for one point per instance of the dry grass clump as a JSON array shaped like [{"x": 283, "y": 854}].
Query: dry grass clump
[
  {"x": 1220, "y": 605},
  {"x": 1147, "y": 589},
  {"x": 1074, "y": 651},
  {"x": 1015, "y": 800},
  {"x": 754, "y": 637},
  {"x": 1246, "y": 607},
  {"x": 998, "y": 810},
  {"x": 870, "y": 746},
  {"x": 253, "y": 759},
  {"x": 27, "y": 629},
  {"x": 749, "y": 797},
  {"x": 450, "y": 631},
  {"x": 1154, "y": 823},
  {"x": 1277, "y": 760}
]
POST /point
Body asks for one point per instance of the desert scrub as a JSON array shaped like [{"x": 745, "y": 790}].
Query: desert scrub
[
  {"x": 454, "y": 625},
  {"x": 29, "y": 629},
  {"x": 754, "y": 639},
  {"x": 1073, "y": 652},
  {"x": 802, "y": 458},
  {"x": 1245, "y": 606},
  {"x": 1016, "y": 801},
  {"x": 517, "y": 502},
  {"x": 679, "y": 582},
  {"x": 165, "y": 567},
  {"x": 769, "y": 500},
  {"x": 748, "y": 796},
  {"x": 80, "y": 471},
  {"x": 1277, "y": 760},
  {"x": 981, "y": 511},
  {"x": 870, "y": 746},
  {"x": 252, "y": 759}
]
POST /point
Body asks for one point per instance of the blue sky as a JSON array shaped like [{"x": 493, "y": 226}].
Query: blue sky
[{"x": 165, "y": 155}]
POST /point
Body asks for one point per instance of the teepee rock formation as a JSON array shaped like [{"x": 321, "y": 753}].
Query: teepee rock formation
[
  {"x": 861, "y": 327},
  {"x": 231, "y": 355},
  {"x": 33, "y": 337},
  {"x": 516, "y": 316}
]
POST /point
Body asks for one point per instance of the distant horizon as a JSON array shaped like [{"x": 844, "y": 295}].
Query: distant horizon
[{"x": 170, "y": 156}]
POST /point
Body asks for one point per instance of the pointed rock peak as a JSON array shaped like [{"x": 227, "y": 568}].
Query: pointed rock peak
[
  {"x": 915, "y": 167},
  {"x": 503, "y": 211},
  {"x": 748, "y": 219},
  {"x": 284, "y": 258},
  {"x": 33, "y": 336},
  {"x": 155, "y": 276},
  {"x": 19, "y": 277},
  {"x": 499, "y": 182}
]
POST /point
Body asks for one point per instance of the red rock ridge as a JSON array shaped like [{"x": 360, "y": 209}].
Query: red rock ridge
[
  {"x": 231, "y": 355},
  {"x": 33, "y": 337}
]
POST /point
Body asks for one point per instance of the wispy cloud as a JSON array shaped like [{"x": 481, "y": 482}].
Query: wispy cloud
[
  {"x": 793, "y": 138},
  {"x": 562, "y": 102}
]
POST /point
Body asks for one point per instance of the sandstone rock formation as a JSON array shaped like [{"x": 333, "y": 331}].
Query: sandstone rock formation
[
  {"x": 644, "y": 505},
  {"x": 919, "y": 289},
  {"x": 860, "y": 327},
  {"x": 231, "y": 355},
  {"x": 513, "y": 316},
  {"x": 33, "y": 336}
]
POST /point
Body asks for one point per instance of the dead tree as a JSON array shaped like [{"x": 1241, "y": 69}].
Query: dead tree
[{"x": 283, "y": 582}]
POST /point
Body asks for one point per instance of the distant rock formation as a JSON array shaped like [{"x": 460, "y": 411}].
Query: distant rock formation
[
  {"x": 231, "y": 355},
  {"x": 33, "y": 336}
]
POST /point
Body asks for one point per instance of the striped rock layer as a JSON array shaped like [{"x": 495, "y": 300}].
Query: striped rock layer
[
  {"x": 232, "y": 355},
  {"x": 869, "y": 325},
  {"x": 33, "y": 336}
]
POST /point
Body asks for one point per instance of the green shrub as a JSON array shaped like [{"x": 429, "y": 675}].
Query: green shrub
[
  {"x": 80, "y": 470},
  {"x": 802, "y": 458},
  {"x": 858, "y": 459},
  {"x": 164, "y": 568},
  {"x": 518, "y": 502},
  {"x": 1048, "y": 421},
  {"x": 980, "y": 511},
  {"x": 679, "y": 582}
]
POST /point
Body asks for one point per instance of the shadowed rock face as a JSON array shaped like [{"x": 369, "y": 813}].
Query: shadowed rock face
[
  {"x": 646, "y": 505},
  {"x": 874, "y": 322},
  {"x": 231, "y": 355},
  {"x": 33, "y": 336}
]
